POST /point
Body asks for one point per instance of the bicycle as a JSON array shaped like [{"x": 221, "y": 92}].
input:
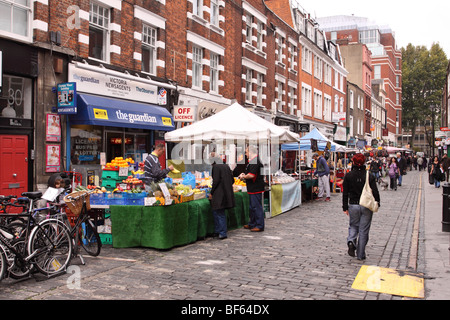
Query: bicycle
[
  {"x": 47, "y": 245},
  {"x": 83, "y": 231}
]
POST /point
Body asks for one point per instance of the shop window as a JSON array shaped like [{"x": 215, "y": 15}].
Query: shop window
[
  {"x": 86, "y": 145},
  {"x": 15, "y": 99}
]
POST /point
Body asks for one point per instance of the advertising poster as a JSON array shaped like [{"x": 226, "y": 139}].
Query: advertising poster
[
  {"x": 53, "y": 158},
  {"x": 67, "y": 98},
  {"x": 53, "y": 128}
]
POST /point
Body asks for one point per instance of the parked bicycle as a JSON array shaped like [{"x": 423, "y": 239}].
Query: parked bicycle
[{"x": 46, "y": 245}]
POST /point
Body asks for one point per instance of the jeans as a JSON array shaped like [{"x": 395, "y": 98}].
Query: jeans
[
  {"x": 220, "y": 222},
  {"x": 399, "y": 179},
  {"x": 359, "y": 226},
  {"x": 256, "y": 212},
  {"x": 437, "y": 183}
]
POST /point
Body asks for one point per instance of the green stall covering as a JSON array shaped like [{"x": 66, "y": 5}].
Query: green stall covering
[{"x": 165, "y": 227}]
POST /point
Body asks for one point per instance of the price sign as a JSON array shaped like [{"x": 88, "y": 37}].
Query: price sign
[{"x": 123, "y": 171}]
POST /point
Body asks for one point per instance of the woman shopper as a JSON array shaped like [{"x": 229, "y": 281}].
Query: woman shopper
[
  {"x": 393, "y": 173},
  {"x": 360, "y": 218},
  {"x": 437, "y": 172}
]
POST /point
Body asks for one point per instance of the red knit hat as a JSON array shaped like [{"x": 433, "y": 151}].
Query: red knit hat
[{"x": 358, "y": 159}]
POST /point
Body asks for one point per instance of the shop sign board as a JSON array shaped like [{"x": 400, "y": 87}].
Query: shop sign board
[
  {"x": 184, "y": 113},
  {"x": 67, "y": 98},
  {"x": 113, "y": 86},
  {"x": 338, "y": 116}
]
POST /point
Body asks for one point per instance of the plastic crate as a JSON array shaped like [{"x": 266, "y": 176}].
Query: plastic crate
[
  {"x": 109, "y": 184},
  {"x": 106, "y": 238},
  {"x": 110, "y": 174},
  {"x": 115, "y": 199},
  {"x": 135, "y": 199},
  {"x": 97, "y": 198}
]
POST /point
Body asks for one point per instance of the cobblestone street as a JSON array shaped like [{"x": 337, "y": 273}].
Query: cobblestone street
[{"x": 302, "y": 254}]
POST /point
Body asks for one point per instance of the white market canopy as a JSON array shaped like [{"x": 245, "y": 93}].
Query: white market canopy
[{"x": 233, "y": 123}]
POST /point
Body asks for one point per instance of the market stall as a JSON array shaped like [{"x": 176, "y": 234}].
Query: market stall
[
  {"x": 305, "y": 144},
  {"x": 238, "y": 126}
]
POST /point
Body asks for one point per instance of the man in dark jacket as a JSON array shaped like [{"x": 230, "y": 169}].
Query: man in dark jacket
[
  {"x": 323, "y": 175},
  {"x": 360, "y": 218},
  {"x": 255, "y": 188},
  {"x": 401, "y": 162},
  {"x": 152, "y": 168},
  {"x": 221, "y": 196}
]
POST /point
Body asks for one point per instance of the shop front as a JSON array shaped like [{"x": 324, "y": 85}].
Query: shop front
[
  {"x": 103, "y": 125},
  {"x": 18, "y": 74}
]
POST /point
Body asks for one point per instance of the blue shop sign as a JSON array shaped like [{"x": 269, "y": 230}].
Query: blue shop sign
[{"x": 67, "y": 98}]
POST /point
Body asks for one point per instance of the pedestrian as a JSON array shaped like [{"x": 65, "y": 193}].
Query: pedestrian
[
  {"x": 221, "y": 196},
  {"x": 415, "y": 162},
  {"x": 401, "y": 163},
  {"x": 152, "y": 168},
  {"x": 254, "y": 179},
  {"x": 437, "y": 172},
  {"x": 393, "y": 173},
  {"x": 323, "y": 174},
  {"x": 375, "y": 168},
  {"x": 420, "y": 163},
  {"x": 360, "y": 218},
  {"x": 445, "y": 165}
]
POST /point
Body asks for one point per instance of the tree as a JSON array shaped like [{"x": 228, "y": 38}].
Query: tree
[{"x": 423, "y": 77}]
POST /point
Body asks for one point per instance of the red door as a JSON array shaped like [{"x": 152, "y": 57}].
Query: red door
[{"x": 13, "y": 164}]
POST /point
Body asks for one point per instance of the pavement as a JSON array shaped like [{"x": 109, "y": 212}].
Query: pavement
[{"x": 301, "y": 255}]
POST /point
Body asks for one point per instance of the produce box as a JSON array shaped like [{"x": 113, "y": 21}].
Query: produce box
[
  {"x": 98, "y": 198},
  {"x": 106, "y": 238},
  {"x": 110, "y": 174},
  {"x": 134, "y": 199},
  {"x": 109, "y": 184},
  {"x": 115, "y": 199},
  {"x": 201, "y": 195}
]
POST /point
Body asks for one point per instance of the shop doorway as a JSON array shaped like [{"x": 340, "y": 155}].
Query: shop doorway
[{"x": 13, "y": 164}]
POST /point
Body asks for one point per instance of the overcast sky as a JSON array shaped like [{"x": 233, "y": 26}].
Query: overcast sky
[{"x": 415, "y": 22}]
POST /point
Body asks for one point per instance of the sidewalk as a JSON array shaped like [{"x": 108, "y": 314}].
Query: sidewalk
[{"x": 435, "y": 244}]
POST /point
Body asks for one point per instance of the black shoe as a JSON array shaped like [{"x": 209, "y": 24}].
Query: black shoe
[
  {"x": 351, "y": 249},
  {"x": 222, "y": 237}
]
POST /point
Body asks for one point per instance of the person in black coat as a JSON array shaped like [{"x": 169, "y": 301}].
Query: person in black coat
[
  {"x": 360, "y": 218},
  {"x": 401, "y": 162},
  {"x": 221, "y": 196}
]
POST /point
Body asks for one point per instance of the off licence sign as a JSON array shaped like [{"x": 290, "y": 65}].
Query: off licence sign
[{"x": 184, "y": 113}]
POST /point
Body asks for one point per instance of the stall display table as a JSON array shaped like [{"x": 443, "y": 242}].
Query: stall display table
[
  {"x": 284, "y": 197},
  {"x": 307, "y": 188},
  {"x": 165, "y": 227}
]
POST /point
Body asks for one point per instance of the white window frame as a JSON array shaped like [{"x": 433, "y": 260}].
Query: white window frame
[
  {"x": 248, "y": 85},
  {"x": 259, "y": 34},
  {"x": 214, "y": 9},
  {"x": 318, "y": 68},
  {"x": 103, "y": 27},
  {"x": 259, "y": 88},
  {"x": 214, "y": 72},
  {"x": 197, "y": 67},
  {"x": 197, "y": 8},
  {"x": 291, "y": 100},
  {"x": 28, "y": 24},
  {"x": 377, "y": 72},
  {"x": 306, "y": 100},
  {"x": 317, "y": 104},
  {"x": 327, "y": 107},
  {"x": 280, "y": 96},
  {"x": 351, "y": 97},
  {"x": 306, "y": 60},
  {"x": 149, "y": 40},
  {"x": 248, "y": 28}
]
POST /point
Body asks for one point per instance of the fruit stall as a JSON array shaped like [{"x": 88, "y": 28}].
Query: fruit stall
[{"x": 169, "y": 213}]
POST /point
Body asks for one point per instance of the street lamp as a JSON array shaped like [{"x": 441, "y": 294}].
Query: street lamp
[{"x": 433, "y": 108}]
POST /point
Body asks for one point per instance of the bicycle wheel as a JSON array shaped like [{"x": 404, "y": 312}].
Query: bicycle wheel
[
  {"x": 50, "y": 246},
  {"x": 89, "y": 238},
  {"x": 3, "y": 263},
  {"x": 19, "y": 269}
]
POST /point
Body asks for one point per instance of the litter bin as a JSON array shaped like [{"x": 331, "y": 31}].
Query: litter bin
[{"x": 446, "y": 208}]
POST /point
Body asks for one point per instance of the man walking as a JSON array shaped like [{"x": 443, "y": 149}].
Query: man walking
[
  {"x": 255, "y": 189},
  {"x": 323, "y": 173},
  {"x": 401, "y": 162}
]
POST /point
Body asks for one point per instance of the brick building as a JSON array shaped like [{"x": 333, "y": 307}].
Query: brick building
[
  {"x": 386, "y": 62},
  {"x": 135, "y": 64}
]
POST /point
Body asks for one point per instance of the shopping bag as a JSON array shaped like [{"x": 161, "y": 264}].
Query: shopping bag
[{"x": 367, "y": 199}]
